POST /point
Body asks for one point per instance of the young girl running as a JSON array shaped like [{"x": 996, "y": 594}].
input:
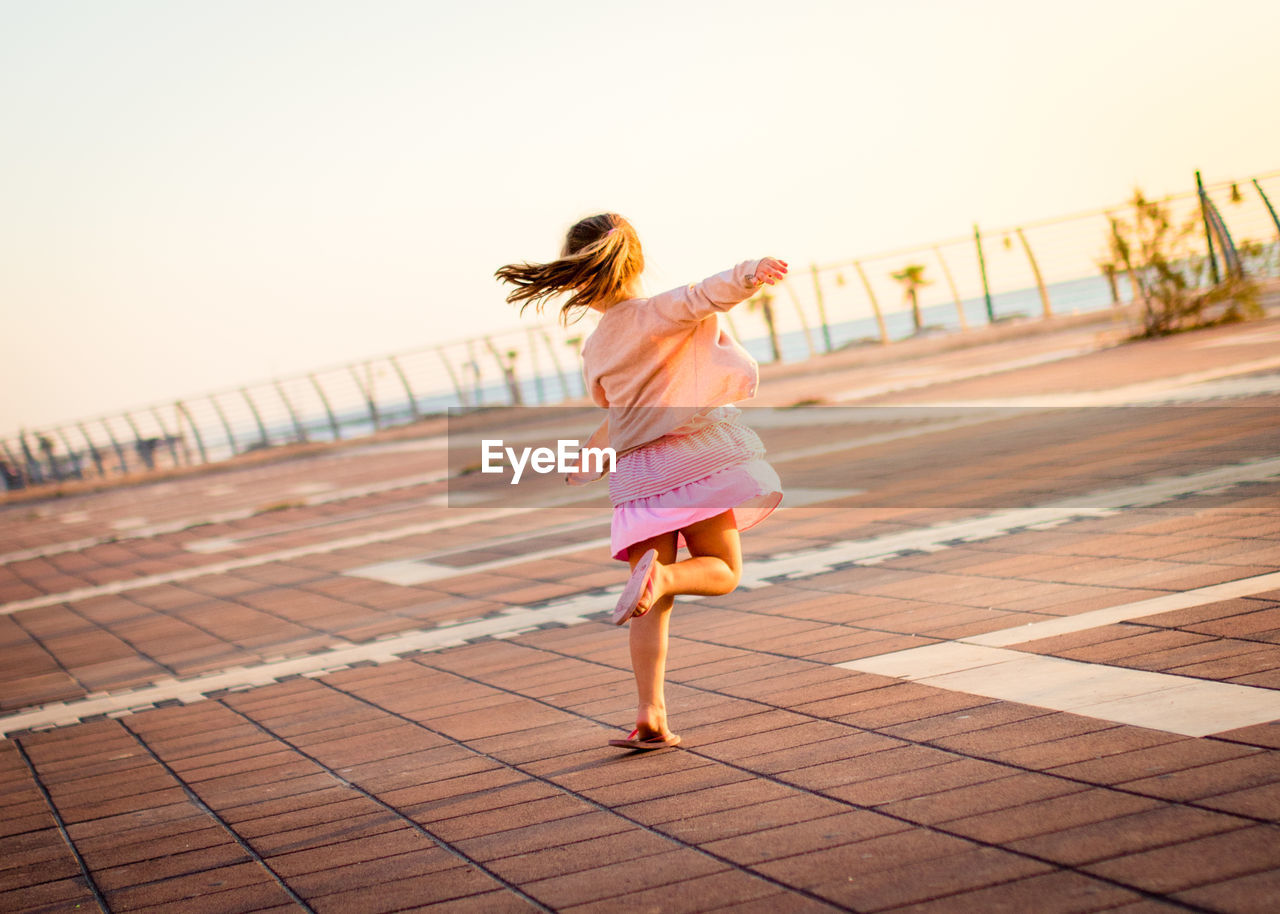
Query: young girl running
[{"x": 688, "y": 471}]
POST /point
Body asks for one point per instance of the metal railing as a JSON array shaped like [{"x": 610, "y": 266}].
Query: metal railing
[{"x": 1038, "y": 269}]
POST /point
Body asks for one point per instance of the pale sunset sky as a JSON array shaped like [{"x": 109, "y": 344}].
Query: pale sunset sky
[{"x": 198, "y": 194}]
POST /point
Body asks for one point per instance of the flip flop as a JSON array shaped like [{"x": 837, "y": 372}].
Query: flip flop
[
  {"x": 634, "y": 742},
  {"x": 637, "y": 585}
]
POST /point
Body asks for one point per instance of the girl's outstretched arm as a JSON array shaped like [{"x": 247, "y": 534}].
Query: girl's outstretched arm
[{"x": 721, "y": 292}]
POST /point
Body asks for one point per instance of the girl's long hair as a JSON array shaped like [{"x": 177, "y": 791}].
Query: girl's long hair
[{"x": 600, "y": 259}]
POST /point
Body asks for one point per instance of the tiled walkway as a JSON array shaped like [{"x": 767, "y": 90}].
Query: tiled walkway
[{"x": 990, "y": 660}]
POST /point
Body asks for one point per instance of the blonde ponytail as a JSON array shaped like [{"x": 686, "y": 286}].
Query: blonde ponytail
[{"x": 600, "y": 260}]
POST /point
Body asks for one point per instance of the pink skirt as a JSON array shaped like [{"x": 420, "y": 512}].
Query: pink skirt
[{"x": 681, "y": 479}]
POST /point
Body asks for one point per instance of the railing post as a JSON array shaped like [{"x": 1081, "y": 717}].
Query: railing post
[
  {"x": 804, "y": 323},
  {"x": 414, "y": 412},
  {"x": 1035, "y": 269},
  {"x": 14, "y": 467},
  {"x": 195, "y": 429},
  {"x": 45, "y": 444},
  {"x": 257, "y": 417},
  {"x": 124, "y": 463},
  {"x": 822, "y": 307},
  {"x": 1271, "y": 209},
  {"x": 464, "y": 398},
  {"x": 168, "y": 438},
  {"x": 982, "y": 267},
  {"x": 474, "y": 365},
  {"x": 508, "y": 369},
  {"x": 231, "y": 438},
  {"x": 140, "y": 447},
  {"x": 367, "y": 393},
  {"x": 951, "y": 283},
  {"x": 93, "y": 449},
  {"x": 533, "y": 366},
  {"x": 71, "y": 452},
  {"x": 555, "y": 360},
  {"x": 333, "y": 420},
  {"x": 1230, "y": 258},
  {"x": 1208, "y": 234},
  {"x": 298, "y": 428},
  {"x": 34, "y": 471},
  {"x": 875, "y": 305}
]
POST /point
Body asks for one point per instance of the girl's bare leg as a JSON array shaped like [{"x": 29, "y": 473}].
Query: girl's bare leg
[
  {"x": 649, "y": 645},
  {"x": 714, "y": 567}
]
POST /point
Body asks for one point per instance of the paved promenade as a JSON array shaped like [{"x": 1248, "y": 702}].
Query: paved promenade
[{"x": 1012, "y": 645}]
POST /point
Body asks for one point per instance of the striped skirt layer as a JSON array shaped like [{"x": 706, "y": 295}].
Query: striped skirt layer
[{"x": 681, "y": 479}]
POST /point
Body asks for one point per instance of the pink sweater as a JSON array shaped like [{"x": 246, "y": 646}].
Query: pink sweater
[{"x": 656, "y": 362}]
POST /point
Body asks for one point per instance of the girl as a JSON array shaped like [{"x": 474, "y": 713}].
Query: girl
[{"x": 688, "y": 472}]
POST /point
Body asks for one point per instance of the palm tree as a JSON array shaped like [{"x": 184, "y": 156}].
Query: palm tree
[{"x": 912, "y": 278}]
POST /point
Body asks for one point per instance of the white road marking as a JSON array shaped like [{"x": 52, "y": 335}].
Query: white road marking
[
  {"x": 410, "y": 446},
  {"x": 808, "y": 562},
  {"x": 1195, "y": 386},
  {"x": 410, "y": 572},
  {"x": 805, "y": 562},
  {"x": 508, "y": 624},
  {"x": 1259, "y": 335},
  {"x": 929, "y": 379},
  {"x": 1158, "y": 701},
  {"x": 216, "y": 544},
  {"x": 310, "y": 488},
  {"x": 1175, "y": 707},
  {"x": 1111, "y": 615},
  {"x": 221, "y": 517},
  {"x": 283, "y": 555}
]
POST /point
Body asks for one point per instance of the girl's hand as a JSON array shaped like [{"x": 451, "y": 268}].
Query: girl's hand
[{"x": 769, "y": 271}]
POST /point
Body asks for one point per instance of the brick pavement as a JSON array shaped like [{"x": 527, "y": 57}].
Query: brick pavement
[{"x": 415, "y": 773}]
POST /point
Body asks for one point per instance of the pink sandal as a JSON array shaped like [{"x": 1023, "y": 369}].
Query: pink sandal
[{"x": 640, "y": 583}]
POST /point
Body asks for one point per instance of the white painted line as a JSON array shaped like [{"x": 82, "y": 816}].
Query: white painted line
[
  {"x": 1158, "y": 701},
  {"x": 410, "y": 446},
  {"x": 1194, "y": 386},
  {"x": 223, "y": 517},
  {"x": 927, "y": 379},
  {"x": 805, "y": 562},
  {"x": 929, "y": 660},
  {"x": 410, "y": 572},
  {"x": 1257, "y": 336},
  {"x": 508, "y": 624},
  {"x": 809, "y": 562},
  {"x": 310, "y": 488},
  {"x": 217, "y": 544},
  {"x": 1049, "y": 628},
  {"x": 797, "y": 497},
  {"x": 283, "y": 555}
]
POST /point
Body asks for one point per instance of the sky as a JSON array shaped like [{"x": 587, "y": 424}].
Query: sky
[{"x": 197, "y": 195}]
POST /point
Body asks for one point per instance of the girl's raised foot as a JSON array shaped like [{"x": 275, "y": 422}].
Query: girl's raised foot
[{"x": 637, "y": 596}]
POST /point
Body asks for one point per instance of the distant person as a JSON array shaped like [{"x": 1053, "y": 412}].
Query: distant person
[{"x": 688, "y": 471}]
